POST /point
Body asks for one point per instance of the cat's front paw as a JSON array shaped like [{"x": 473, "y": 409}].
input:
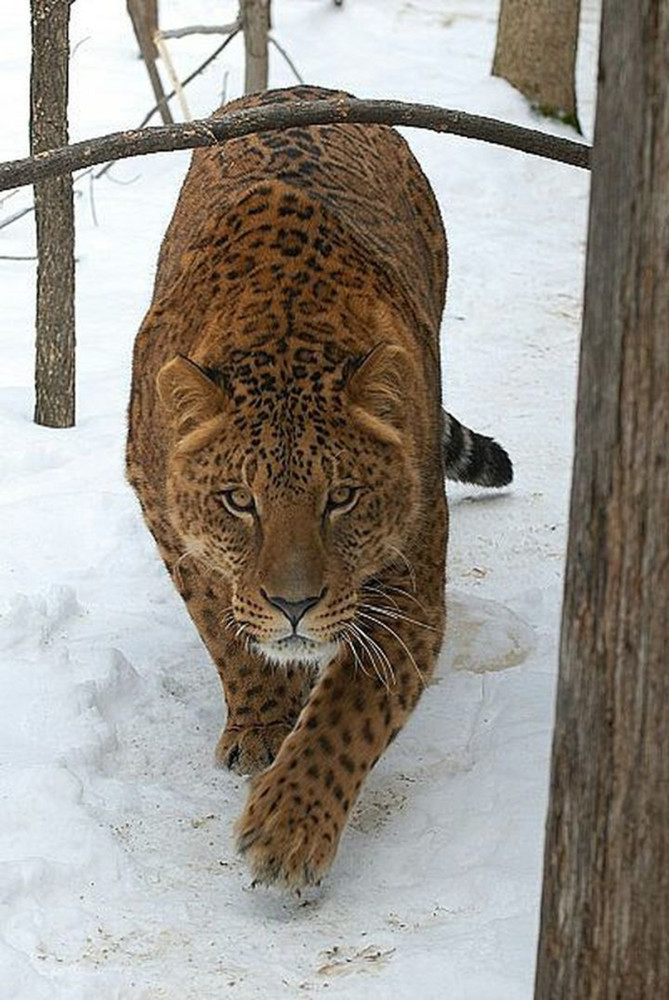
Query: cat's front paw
[
  {"x": 250, "y": 749},
  {"x": 288, "y": 834}
]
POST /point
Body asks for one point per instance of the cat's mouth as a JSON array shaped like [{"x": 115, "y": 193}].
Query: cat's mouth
[{"x": 297, "y": 649}]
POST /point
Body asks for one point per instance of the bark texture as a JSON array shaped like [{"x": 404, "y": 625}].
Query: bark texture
[
  {"x": 255, "y": 24},
  {"x": 209, "y": 131},
  {"x": 144, "y": 17},
  {"x": 54, "y": 218},
  {"x": 536, "y": 53},
  {"x": 605, "y": 911}
]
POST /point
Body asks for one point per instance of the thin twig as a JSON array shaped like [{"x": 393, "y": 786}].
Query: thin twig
[
  {"x": 202, "y": 29},
  {"x": 272, "y": 117},
  {"x": 164, "y": 54},
  {"x": 29, "y": 209},
  {"x": 147, "y": 118},
  {"x": 119, "y": 180},
  {"x": 184, "y": 83},
  {"x": 17, "y": 215},
  {"x": 285, "y": 55},
  {"x": 196, "y": 72},
  {"x": 16, "y": 257},
  {"x": 82, "y": 41},
  {"x": 10, "y": 194},
  {"x": 91, "y": 195}
]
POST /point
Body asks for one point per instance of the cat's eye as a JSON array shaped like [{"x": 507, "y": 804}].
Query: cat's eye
[
  {"x": 343, "y": 498},
  {"x": 238, "y": 500}
]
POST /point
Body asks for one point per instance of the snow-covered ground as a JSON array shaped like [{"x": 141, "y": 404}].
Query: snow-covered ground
[{"x": 117, "y": 874}]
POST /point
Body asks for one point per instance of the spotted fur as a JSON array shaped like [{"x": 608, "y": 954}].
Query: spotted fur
[{"x": 286, "y": 443}]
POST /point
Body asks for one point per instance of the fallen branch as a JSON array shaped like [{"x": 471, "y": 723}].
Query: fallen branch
[{"x": 211, "y": 131}]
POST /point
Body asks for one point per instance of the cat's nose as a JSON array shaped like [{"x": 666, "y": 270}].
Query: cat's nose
[{"x": 293, "y": 610}]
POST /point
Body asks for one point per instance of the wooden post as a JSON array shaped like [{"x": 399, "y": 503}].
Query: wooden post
[
  {"x": 536, "y": 53},
  {"x": 144, "y": 17},
  {"x": 255, "y": 24},
  {"x": 605, "y": 910},
  {"x": 54, "y": 218}
]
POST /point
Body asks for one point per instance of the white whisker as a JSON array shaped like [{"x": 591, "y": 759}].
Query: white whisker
[
  {"x": 390, "y": 613},
  {"x": 401, "y": 642},
  {"x": 355, "y": 633},
  {"x": 349, "y": 642},
  {"x": 383, "y": 587},
  {"x": 377, "y": 590},
  {"x": 386, "y": 665},
  {"x": 410, "y": 569}
]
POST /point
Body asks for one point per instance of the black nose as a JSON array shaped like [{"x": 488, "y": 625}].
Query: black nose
[{"x": 293, "y": 610}]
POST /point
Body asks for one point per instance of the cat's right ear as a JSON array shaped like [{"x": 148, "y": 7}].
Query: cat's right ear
[{"x": 189, "y": 395}]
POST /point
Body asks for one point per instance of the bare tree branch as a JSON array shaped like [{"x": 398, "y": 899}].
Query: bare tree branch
[
  {"x": 211, "y": 131},
  {"x": 148, "y": 116},
  {"x": 202, "y": 29},
  {"x": 17, "y": 215},
  {"x": 184, "y": 83},
  {"x": 285, "y": 55}
]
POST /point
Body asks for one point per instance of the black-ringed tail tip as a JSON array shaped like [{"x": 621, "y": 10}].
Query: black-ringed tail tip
[{"x": 470, "y": 457}]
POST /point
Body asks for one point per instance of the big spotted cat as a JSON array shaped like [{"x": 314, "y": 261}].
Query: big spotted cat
[{"x": 288, "y": 447}]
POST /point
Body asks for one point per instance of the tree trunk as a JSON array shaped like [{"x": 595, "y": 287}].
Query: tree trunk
[
  {"x": 144, "y": 17},
  {"x": 605, "y": 910},
  {"x": 54, "y": 217},
  {"x": 255, "y": 24},
  {"x": 536, "y": 53}
]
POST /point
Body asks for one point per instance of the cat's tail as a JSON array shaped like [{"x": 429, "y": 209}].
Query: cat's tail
[{"x": 473, "y": 458}]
